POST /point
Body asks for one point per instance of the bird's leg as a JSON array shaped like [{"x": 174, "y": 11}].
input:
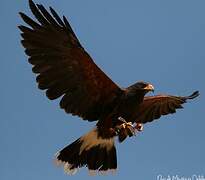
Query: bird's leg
[
  {"x": 122, "y": 119},
  {"x": 127, "y": 127}
]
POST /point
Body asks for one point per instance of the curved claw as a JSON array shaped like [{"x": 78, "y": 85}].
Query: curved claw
[
  {"x": 131, "y": 130},
  {"x": 122, "y": 119},
  {"x": 139, "y": 127},
  {"x": 127, "y": 127}
]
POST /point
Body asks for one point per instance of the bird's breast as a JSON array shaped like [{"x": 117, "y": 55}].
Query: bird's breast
[{"x": 128, "y": 107}]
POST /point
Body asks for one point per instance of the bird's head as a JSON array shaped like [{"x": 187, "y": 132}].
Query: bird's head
[{"x": 141, "y": 87}]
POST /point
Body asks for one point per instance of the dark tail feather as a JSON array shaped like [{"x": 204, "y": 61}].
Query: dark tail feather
[{"x": 97, "y": 154}]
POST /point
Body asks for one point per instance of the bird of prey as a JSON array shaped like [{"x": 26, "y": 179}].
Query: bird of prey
[{"x": 65, "y": 70}]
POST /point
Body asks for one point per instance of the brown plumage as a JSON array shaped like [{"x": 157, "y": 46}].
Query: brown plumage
[
  {"x": 153, "y": 107},
  {"x": 64, "y": 69}
]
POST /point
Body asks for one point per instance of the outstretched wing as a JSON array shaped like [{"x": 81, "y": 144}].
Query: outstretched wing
[
  {"x": 64, "y": 68},
  {"x": 153, "y": 107}
]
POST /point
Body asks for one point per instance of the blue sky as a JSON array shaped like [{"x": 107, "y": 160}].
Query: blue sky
[{"x": 158, "y": 41}]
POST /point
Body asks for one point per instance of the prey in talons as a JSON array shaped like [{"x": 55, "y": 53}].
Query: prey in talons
[{"x": 127, "y": 129}]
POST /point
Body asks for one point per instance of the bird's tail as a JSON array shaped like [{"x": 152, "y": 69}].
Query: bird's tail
[{"x": 98, "y": 154}]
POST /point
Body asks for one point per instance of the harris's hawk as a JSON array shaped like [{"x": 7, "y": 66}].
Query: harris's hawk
[{"x": 65, "y": 70}]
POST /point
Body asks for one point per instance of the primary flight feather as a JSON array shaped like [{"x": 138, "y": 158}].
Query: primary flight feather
[{"x": 65, "y": 70}]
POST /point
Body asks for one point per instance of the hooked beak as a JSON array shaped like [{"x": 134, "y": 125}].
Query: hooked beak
[{"x": 149, "y": 87}]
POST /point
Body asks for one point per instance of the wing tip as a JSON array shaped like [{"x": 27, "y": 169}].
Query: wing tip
[
  {"x": 31, "y": 2},
  {"x": 22, "y": 14},
  {"x": 20, "y": 27},
  {"x": 194, "y": 95}
]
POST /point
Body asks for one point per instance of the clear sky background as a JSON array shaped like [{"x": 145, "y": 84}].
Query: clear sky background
[{"x": 159, "y": 41}]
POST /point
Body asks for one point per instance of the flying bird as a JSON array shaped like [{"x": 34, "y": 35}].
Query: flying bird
[{"x": 65, "y": 70}]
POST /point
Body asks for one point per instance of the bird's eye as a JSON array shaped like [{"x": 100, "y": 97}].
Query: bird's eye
[{"x": 144, "y": 85}]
